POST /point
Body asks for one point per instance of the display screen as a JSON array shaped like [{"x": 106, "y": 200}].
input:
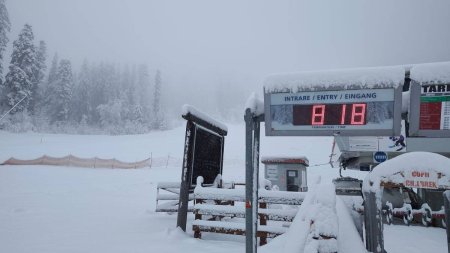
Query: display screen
[
  {"x": 435, "y": 107},
  {"x": 330, "y": 114},
  {"x": 365, "y": 109}
]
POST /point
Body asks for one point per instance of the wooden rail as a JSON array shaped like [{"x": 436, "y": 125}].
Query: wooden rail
[{"x": 222, "y": 210}]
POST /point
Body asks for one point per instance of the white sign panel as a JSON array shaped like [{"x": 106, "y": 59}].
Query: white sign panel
[
  {"x": 373, "y": 144},
  {"x": 421, "y": 179},
  {"x": 271, "y": 172}
]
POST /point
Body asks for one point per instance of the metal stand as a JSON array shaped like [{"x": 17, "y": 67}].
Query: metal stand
[
  {"x": 447, "y": 216},
  {"x": 185, "y": 176},
  {"x": 373, "y": 223},
  {"x": 252, "y": 143}
]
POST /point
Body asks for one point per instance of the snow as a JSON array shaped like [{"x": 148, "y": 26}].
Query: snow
[
  {"x": 189, "y": 109},
  {"x": 376, "y": 77},
  {"x": 69, "y": 209},
  {"x": 393, "y": 170},
  {"x": 255, "y": 105},
  {"x": 285, "y": 159},
  {"x": 405, "y": 101},
  {"x": 429, "y": 73},
  {"x": 294, "y": 198}
]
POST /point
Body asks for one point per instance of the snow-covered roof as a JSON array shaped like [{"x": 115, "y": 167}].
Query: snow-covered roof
[
  {"x": 395, "y": 169},
  {"x": 255, "y": 105},
  {"x": 437, "y": 72},
  {"x": 286, "y": 160},
  {"x": 189, "y": 109},
  {"x": 375, "y": 77}
]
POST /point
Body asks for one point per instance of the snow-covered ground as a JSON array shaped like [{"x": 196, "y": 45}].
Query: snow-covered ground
[{"x": 64, "y": 209}]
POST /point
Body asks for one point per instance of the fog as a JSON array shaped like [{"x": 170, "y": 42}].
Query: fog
[{"x": 212, "y": 53}]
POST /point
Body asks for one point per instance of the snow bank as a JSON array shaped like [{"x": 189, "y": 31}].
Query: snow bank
[
  {"x": 255, "y": 105},
  {"x": 379, "y": 77},
  {"x": 315, "y": 228},
  {"x": 395, "y": 169},
  {"x": 189, "y": 109},
  {"x": 437, "y": 72}
]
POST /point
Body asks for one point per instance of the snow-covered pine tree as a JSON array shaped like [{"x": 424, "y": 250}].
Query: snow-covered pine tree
[
  {"x": 38, "y": 77},
  {"x": 18, "y": 81},
  {"x": 52, "y": 74},
  {"x": 60, "y": 98},
  {"x": 144, "y": 87},
  {"x": 5, "y": 27},
  {"x": 81, "y": 107},
  {"x": 158, "y": 117}
]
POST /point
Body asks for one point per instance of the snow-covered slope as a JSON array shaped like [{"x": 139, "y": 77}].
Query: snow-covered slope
[{"x": 64, "y": 209}]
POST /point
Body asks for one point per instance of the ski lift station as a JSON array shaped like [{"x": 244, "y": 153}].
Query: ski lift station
[
  {"x": 286, "y": 173},
  {"x": 393, "y": 122}
]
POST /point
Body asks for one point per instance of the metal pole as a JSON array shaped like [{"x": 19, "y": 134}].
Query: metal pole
[
  {"x": 255, "y": 206},
  {"x": 250, "y": 202},
  {"x": 183, "y": 201},
  {"x": 373, "y": 224},
  {"x": 447, "y": 216}
]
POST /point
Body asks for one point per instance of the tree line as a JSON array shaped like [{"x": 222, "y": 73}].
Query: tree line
[{"x": 100, "y": 98}]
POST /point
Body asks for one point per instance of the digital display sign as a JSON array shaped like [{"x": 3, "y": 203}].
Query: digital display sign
[
  {"x": 330, "y": 114},
  {"x": 435, "y": 107},
  {"x": 430, "y": 110},
  {"x": 369, "y": 112}
]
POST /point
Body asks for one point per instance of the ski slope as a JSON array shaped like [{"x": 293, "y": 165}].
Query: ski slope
[{"x": 66, "y": 209}]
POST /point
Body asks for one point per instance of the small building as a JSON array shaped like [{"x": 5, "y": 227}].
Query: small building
[{"x": 288, "y": 173}]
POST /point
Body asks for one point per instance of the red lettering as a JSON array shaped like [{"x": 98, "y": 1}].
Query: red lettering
[
  {"x": 358, "y": 114},
  {"x": 420, "y": 174},
  {"x": 318, "y": 115}
]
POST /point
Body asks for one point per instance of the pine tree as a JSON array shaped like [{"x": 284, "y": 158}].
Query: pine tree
[
  {"x": 158, "y": 118},
  {"x": 5, "y": 27},
  {"x": 53, "y": 70},
  {"x": 81, "y": 106},
  {"x": 60, "y": 98},
  {"x": 19, "y": 80},
  {"x": 38, "y": 76}
]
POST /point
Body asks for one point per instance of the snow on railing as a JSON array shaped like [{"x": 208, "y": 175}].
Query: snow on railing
[
  {"x": 315, "y": 228},
  {"x": 292, "y": 198},
  {"x": 224, "y": 205}
]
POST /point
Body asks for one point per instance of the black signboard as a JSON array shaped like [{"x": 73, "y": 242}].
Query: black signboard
[
  {"x": 207, "y": 156},
  {"x": 203, "y": 156}
]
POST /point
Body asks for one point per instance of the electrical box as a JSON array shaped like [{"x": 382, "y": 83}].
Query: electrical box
[{"x": 286, "y": 173}]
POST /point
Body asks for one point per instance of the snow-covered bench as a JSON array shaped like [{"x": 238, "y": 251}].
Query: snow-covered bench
[{"x": 222, "y": 211}]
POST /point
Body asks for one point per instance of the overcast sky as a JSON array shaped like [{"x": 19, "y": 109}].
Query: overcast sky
[{"x": 241, "y": 40}]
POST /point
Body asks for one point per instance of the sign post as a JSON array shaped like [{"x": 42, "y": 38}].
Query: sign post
[
  {"x": 203, "y": 156},
  {"x": 252, "y": 143},
  {"x": 186, "y": 174}
]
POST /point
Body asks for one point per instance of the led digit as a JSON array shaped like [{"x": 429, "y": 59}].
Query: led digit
[
  {"x": 318, "y": 115},
  {"x": 358, "y": 114},
  {"x": 344, "y": 107}
]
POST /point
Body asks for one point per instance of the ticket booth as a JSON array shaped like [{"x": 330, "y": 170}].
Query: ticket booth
[{"x": 287, "y": 173}]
